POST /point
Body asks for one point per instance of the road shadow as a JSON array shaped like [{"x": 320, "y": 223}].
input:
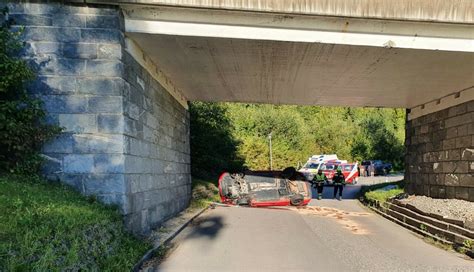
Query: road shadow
[
  {"x": 349, "y": 192},
  {"x": 208, "y": 227}
]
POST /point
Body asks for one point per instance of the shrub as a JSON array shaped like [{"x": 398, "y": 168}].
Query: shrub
[
  {"x": 203, "y": 192},
  {"x": 23, "y": 128}
]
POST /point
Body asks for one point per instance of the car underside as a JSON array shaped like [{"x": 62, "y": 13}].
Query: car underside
[{"x": 265, "y": 188}]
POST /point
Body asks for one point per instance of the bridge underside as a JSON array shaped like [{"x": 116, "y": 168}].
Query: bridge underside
[
  {"x": 301, "y": 73},
  {"x": 215, "y": 55}
]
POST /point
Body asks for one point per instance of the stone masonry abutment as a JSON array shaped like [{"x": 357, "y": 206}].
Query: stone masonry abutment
[
  {"x": 440, "y": 153},
  {"x": 125, "y": 138}
]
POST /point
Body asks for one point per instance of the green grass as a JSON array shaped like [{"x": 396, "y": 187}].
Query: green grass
[
  {"x": 50, "y": 227},
  {"x": 382, "y": 196},
  {"x": 367, "y": 188},
  {"x": 203, "y": 192}
]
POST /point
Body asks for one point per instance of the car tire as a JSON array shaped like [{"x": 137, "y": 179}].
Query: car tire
[{"x": 296, "y": 200}]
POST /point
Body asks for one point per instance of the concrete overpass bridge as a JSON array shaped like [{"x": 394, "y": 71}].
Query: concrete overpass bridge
[{"x": 118, "y": 75}]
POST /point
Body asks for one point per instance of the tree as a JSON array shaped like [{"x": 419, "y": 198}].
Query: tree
[
  {"x": 23, "y": 129},
  {"x": 301, "y": 131},
  {"x": 213, "y": 147}
]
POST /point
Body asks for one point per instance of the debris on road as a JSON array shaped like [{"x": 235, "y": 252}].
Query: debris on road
[{"x": 342, "y": 217}]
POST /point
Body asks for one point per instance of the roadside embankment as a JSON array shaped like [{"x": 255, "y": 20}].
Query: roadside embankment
[
  {"x": 432, "y": 218},
  {"x": 46, "y": 226},
  {"x": 447, "y": 209}
]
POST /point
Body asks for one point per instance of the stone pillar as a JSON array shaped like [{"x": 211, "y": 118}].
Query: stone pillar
[
  {"x": 125, "y": 139},
  {"x": 157, "y": 160},
  {"x": 440, "y": 153}
]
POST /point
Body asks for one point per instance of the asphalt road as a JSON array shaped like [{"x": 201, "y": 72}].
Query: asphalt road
[{"x": 329, "y": 235}]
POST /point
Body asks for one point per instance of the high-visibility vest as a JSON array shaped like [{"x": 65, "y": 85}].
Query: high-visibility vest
[{"x": 320, "y": 178}]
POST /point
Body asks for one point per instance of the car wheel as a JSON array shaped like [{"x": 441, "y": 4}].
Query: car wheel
[{"x": 296, "y": 200}]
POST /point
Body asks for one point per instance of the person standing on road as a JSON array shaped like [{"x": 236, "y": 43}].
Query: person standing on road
[
  {"x": 338, "y": 181},
  {"x": 372, "y": 170},
  {"x": 318, "y": 181}
]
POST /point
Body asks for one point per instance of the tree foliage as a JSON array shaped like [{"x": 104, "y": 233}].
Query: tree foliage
[
  {"x": 22, "y": 120},
  {"x": 213, "y": 147},
  {"x": 297, "y": 133}
]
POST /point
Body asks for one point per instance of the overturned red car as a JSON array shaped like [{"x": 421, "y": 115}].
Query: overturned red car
[{"x": 265, "y": 188}]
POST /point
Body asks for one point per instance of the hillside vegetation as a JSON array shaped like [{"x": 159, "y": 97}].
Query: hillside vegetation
[{"x": 229, "y": 136}]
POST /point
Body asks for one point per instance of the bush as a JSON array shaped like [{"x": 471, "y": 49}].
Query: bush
[
  {"x": 23, "y": 128},
  {"x": 203, "y": 192}
]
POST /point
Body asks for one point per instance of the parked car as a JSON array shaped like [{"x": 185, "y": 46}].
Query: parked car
[
  {"x": 265, "y": 188},
  {"x": 349, "y": 170},
  {"x": 380, "y": 167}
]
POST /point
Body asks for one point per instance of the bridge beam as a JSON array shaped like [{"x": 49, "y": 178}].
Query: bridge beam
[{"x": 298, "y": 28}]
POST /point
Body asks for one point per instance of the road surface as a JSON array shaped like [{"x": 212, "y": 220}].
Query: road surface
[{"x": 329, "y": 235}]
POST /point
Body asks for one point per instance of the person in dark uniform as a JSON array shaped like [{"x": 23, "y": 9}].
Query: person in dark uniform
[
  {"x": 338, "y": 181},
  {"x": 318, "y": 182}
]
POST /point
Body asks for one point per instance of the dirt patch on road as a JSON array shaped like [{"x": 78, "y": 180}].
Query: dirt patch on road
[{"x": 342, "y": 217}]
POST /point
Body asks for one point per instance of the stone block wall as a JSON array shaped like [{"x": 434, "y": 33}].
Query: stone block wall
[
  {"x": 440, "y": 153},
  {"x": 157, "y": 159},
  {"x": 125, "y": 139},
  {"x": 77, "y": 52}
]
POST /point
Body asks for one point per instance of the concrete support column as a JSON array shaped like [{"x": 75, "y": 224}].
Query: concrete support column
[
  {"x": 125, "y": 139},
  {"x": 440, "y": 153}
]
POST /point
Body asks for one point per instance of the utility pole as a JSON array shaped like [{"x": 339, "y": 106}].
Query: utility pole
[{"x": 271, "y": 158}]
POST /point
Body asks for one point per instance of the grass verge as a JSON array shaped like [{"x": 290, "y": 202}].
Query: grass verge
[
  {"x": 377, "y": 194},
  {"x": 203, "y": 192},
  {"x": 382, "y": 196},
  {"x": 47, "y": 226}
]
